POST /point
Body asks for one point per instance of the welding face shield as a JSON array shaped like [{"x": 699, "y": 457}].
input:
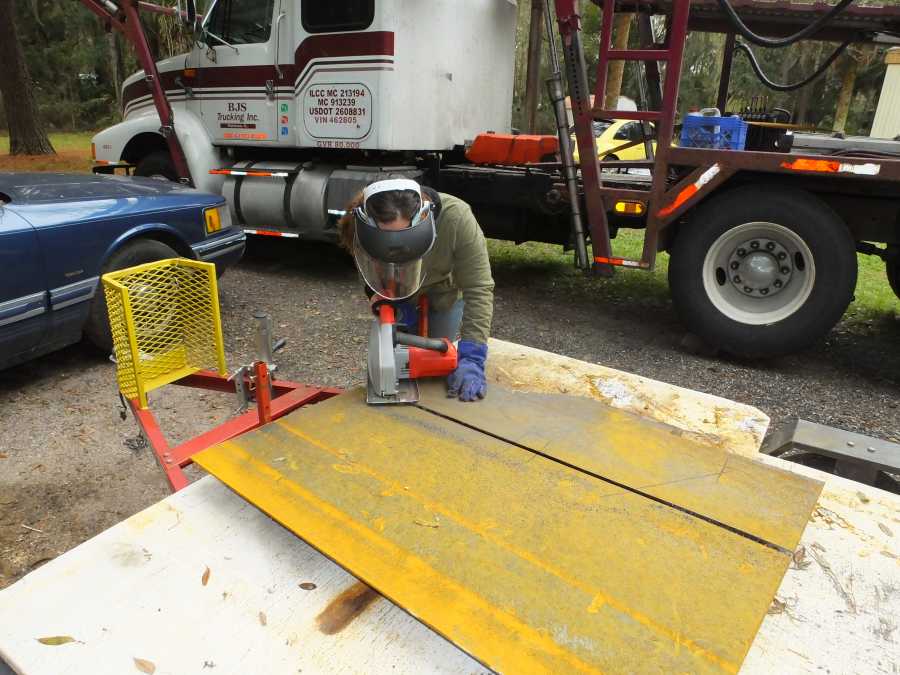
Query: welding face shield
[{"x": 390, "y": 260}]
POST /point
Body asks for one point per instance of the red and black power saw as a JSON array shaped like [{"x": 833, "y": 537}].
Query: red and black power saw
[{"x": 397, "y": 359}]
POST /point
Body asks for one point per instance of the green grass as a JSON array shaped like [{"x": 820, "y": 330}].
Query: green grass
[
  {"x": 62, "y": 141},
  {"x": 875, "y": 299},
  {"x": 73, "y": 154},
  {"x": 547, "y": 264}
]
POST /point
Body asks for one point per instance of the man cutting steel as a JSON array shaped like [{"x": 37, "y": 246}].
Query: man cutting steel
[{"x": 408, "y": 241}]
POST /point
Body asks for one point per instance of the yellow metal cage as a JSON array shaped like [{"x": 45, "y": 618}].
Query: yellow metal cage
[{"x": 165, "y": 323}]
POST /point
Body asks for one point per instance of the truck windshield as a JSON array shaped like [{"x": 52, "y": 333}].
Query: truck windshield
[{"x": 241, "y": 22}]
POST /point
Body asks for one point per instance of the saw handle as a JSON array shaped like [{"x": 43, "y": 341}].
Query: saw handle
[{"x": 410, "y": 340}]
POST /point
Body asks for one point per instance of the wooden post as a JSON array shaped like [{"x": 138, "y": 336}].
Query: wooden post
[
  {"x": 622, "y": 30},
  {"x": 533, "y": 76},
  {"x": 849, "y": 64}
]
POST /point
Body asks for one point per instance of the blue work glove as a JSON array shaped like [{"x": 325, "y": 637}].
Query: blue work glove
[{"x": 468, "y": 381}]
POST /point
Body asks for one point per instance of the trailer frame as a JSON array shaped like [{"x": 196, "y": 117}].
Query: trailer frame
[{"x": 709, "y": 169}]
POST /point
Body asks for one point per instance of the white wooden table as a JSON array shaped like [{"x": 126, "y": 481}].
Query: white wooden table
[{"x": 141, "y": 590}]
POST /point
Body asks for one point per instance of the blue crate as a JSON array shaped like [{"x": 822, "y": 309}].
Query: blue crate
[{"x": 728, "y": 133}]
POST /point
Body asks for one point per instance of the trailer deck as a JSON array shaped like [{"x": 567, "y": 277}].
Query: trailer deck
[{"x": 205, "y": 580}]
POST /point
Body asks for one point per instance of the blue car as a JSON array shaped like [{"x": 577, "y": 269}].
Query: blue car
[{"x": 60, "y": 232}]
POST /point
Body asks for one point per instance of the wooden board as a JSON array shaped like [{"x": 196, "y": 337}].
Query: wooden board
[
  {"x": 526, "y": 563},
  {"x": 206, "y": 524},
  {"x": 838, "y": 608},
  {"x": 137, "y": 591},
  {"x": 736, "y": 427}
]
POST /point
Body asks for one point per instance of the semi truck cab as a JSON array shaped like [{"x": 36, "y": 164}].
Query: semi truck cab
[{"x": 288, "y": 107}]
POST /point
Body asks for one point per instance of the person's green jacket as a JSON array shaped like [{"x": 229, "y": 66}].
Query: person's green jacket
[{"x": 457, "y": 266}]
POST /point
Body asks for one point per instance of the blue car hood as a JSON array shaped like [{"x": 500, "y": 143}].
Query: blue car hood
[{"x": 21, "y": 189}]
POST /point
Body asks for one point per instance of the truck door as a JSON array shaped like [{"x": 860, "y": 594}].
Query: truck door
[
  {"x": 23, "y": 288},
  {"x": 237, "y": 74}
]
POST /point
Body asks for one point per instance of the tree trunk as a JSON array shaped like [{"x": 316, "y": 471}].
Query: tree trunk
[
  {"x": 533, "y": 78},
  {"x": 848, "y": 81},
  {"x": 115, "y": 73},
  {"x": 26, "y": 136},
  {"x": 621, "y": 32},
  {"x": 809, "y": 53}
]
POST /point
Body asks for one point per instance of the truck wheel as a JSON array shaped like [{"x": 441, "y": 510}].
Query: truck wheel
[
  {"x": 133, "y": 253},
  {"x": 762, "y": 271},
  {"x": 892, "y": 267},
  {"x": 157, "y": 165}
]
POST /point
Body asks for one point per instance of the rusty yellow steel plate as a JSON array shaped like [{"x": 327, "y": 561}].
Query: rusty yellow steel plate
[
  {"x": 648, "y": 456},
  {"x": 525, "y": 561}
]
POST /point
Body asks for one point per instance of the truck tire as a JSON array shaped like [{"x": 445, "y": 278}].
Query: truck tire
[
  {"x": 133, "y": 253},
  {"x": 762, "y": 271},
  {"x": 157, "y": 165},
  {"x": 892, "y": 267}
]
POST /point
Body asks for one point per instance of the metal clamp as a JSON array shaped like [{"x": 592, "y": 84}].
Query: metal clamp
[
  {"x": 266, "y": 348},
  {"x": 240, "y": 377},
  {"x": 266, "y": 345}
]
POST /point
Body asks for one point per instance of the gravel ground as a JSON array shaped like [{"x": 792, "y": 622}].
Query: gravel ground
[{"x": 68, "y": 471}]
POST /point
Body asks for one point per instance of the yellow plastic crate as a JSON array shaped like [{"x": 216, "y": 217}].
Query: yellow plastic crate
[{"x": 165, "y": 323}]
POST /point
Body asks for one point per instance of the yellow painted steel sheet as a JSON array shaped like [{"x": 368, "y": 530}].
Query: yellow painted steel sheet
[
  {"x": 526, "y": 563},
  {"x": 645, "y": 455}
]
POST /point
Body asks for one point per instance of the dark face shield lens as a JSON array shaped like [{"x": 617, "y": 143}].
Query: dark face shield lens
[{"x": 396, "y": 246}]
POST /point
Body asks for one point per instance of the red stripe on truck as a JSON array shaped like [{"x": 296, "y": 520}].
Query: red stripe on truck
[{"x": 375, "y": 43}]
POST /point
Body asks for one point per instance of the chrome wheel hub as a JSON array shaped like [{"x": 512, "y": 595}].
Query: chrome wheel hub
[{"x": 760, "y": 267}]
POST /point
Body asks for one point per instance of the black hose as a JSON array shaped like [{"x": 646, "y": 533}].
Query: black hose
[
  {"x": 803, "y": 33},
  {"x": 410, "y": 340},
  {"x": 794, "y": 85}
]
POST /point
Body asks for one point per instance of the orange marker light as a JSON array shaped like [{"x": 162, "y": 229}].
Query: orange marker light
[
  {"x": 213, "y": 223},
  {"x": 630, "y": 208},
  {"x": 820, "y": 165}
]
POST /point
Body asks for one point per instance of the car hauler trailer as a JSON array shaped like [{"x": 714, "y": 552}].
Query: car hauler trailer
[{"x": 289, "y": 108}]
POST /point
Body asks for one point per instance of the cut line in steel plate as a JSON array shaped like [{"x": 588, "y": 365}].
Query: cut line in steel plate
[
  {"x": 525, "y": 562},
  {"x": 649, "y": 457}
]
